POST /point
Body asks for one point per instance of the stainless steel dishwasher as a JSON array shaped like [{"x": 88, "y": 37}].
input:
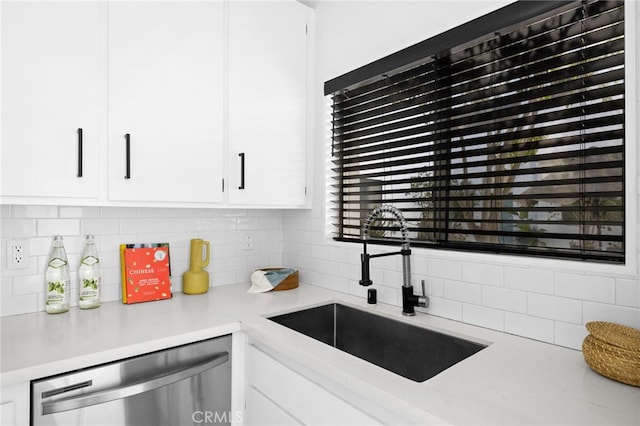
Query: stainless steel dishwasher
[{"x": 184, "y": 385}]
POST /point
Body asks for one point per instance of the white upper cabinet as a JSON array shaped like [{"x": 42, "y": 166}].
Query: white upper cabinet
[
  {"x": 51, "y": 70},
  {"x": 154, "y": 103},
  {"x": 267, "y": 103},
  {"x": 166, "y": 101}
]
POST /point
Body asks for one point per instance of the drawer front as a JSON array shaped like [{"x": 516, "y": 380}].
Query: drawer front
[{"x": 300, "y": 398}]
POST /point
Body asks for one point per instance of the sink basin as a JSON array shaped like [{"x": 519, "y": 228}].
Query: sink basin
[{"x": 413, "y": 352}]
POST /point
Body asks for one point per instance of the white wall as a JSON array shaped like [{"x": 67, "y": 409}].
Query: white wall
[
  {"x": 22, "y": 290},
  {"x": 541, "y": 299}
]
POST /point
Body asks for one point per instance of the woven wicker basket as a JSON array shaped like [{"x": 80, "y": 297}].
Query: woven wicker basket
[{"x": 613, "y": 350}]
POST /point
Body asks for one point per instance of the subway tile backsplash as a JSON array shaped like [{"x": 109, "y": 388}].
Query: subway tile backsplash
[
  {"x": 597, "y": 289},
  {"x": 23, "y": 289},
  {"x": 535, "y": 302}
]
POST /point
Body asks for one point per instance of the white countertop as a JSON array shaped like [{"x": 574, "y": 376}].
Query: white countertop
[
  {"x": 39, "y": 344},
  {"x": 513, "y": 381}
]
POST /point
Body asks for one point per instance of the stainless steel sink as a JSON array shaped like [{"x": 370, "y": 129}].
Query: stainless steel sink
[{"x": 413, "y": 352}]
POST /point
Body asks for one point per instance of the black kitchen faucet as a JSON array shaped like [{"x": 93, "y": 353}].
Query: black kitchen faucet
[{"x": 409, "y": 300}]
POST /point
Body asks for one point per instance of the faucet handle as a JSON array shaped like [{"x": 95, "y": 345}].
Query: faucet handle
[{"x": 423, "y": 301}]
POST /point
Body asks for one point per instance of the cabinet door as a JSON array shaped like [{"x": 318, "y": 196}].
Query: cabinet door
[
  {"x": 14, "y": 404},
  {"x": 260, "y": 410},
  {"x": 292, "y": 397},
  {"x": 51, "y": 88},
  {"x": 165, "y": 101},
  {"x": 267, "y": 102}
]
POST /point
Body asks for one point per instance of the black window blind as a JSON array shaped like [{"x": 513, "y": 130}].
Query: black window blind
[{"x": 512, "y": 142}]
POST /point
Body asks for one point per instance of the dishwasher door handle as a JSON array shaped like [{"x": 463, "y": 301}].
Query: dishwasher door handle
[{"x": 127, "y": 390}]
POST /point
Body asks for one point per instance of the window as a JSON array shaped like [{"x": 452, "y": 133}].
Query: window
[{"x": 501, "y": 140}]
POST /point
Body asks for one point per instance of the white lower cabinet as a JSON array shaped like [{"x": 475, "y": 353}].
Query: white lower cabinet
[
  {"x": 264, "y": 411},
  {"x": 278, "y": 395},
  {"x": 14, "y": 404}
]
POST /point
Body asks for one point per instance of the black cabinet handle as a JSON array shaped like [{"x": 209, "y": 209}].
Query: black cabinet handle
[
  {"x": 241, "y": 170},
  {"x": 127, "y": 142},
  {"x": 80, "y": 155}
]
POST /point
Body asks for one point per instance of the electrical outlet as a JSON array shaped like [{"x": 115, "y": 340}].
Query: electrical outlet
[
  {"x": 247, "y": 241},
  {"x": 17, "y": 254}
]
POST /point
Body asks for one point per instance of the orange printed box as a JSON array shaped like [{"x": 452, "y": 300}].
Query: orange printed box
[{"x": 146, "y": 272}]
